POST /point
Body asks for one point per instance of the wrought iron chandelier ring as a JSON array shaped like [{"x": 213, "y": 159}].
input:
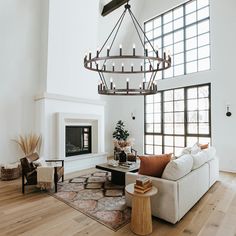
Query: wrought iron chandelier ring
[
  {"x": 93, "y": 64},
  {"x": 124, "y": 92}
]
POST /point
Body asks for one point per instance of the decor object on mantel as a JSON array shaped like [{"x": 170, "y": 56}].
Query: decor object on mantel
[{"x": 109, "y": 62}]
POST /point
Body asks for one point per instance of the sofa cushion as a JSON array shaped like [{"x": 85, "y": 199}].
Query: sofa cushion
[
  {"x": 191, "y": 150},
  {"x": 153, "y": 165},
  {"x": 178, "y": 168},
  {"x": 211, "y": 152},
  {"x": 199, "y": 159}
]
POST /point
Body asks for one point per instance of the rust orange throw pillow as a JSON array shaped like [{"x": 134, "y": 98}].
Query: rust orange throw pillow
[
  {"x": 153, "y": 165},
  {"x": 204, "y": 146}
]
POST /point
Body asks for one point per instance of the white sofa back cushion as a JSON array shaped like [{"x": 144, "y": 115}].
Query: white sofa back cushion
[
  {"x": 199, "y": 159},
  {"x": 178, "y": 168},
  {"x": 211, "y": 153},
  {"x": 191, "y": 150}
]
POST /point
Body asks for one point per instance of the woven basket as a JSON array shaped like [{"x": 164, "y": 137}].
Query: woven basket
[{"x": 9, "y": 174}]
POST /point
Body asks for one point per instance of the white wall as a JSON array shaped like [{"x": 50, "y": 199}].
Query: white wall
[
  {"x": 221, "y": 76},
  {"x": 73, "y": 29},
  {"x": 19, "y": 71}
]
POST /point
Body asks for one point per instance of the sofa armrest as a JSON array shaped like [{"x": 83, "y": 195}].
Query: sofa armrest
[{"x": 165, "y": 202}]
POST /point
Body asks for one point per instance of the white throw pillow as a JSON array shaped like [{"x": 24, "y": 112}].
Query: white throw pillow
[
  {"x": 199, "y": 159},
  {"x": 178, "y": 168},
  {"x": 192, "y": 150},
  {"x": 211, "y": 152}
]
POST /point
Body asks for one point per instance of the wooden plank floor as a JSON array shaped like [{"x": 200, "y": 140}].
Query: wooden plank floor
[{"x": 37, "y": 214}]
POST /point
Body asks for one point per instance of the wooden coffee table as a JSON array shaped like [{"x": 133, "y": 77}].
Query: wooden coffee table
[
  {"x": 118, "y": 173},
  {"x": 141, "y": 218}
]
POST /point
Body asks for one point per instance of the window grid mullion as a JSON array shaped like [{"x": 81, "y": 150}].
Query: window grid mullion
[
  {"x": 184, "y": 41},
  {"x": 162, "y": 121},
  {"x": 162, "y": 40}
]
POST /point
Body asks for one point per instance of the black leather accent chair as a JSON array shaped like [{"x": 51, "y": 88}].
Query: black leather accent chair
[{"x": 29, "y": 171}]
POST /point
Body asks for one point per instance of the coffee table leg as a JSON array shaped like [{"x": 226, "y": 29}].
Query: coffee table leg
[
  {"x": 141, "y": 219},
  {"x": 118, "y": 178}
]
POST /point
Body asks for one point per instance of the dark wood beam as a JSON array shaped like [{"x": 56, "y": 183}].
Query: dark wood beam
[{"x": 113, "y": 5}]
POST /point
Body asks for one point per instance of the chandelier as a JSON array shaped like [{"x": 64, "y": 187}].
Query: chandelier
[{"x": 105, "y": 62}]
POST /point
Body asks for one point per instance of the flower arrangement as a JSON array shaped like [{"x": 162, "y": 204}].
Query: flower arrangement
[{"x": 120, "y": 138}]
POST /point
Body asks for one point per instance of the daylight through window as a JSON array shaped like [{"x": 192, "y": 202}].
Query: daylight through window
[
  {"x": 185, "y": 32},
  {"x": 177, "y": 118}
]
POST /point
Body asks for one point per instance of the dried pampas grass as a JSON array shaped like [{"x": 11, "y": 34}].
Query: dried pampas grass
[{"x": 29, "y": 143}]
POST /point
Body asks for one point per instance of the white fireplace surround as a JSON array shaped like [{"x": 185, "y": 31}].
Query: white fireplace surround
[
  {"x": 65, "y": 119},
  {"x": 85, "y": 160}
]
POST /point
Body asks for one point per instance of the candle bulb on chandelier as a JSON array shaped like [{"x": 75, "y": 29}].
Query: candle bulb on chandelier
[
  {"x": 132, "y": 67},
  {"x": 157, "y": 49},
  {"x": 120, "y": 49},
  {"x": 143, "y": 83},
  {"x": 108, "y": 51},
  {"x": 140, "y": 86},
  {"x": 133, "y": 49},
  {"x": 114, "y": 86},
  {"x": 104, "y": 67},
  {"x": 164, "y": 55},
  {"x": 155, "y": 85},
  {"x": 141, "y": 65},
  {"x": 97, "y": 52},
  {"x": 90, "y": 55},
  {"x": 113, "y": 66},
  {"x": 127, "y": 83},
  {"x": 111, "y": 81},
  {"x": 122, "y": 67},
  {"x": 146, "y": 52}
]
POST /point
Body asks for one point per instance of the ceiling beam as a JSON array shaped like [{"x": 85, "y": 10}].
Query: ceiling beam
[{"x": 113, "y": 5}]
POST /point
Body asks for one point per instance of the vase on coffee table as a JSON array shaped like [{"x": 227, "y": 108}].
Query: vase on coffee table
[{"x": 122, "y": 157}]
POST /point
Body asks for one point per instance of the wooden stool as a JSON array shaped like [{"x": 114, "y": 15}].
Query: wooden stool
[{"x": 141, "y": 218}]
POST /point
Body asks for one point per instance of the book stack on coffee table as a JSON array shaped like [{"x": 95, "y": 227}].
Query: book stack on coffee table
[{"x": 143, "y": 184}]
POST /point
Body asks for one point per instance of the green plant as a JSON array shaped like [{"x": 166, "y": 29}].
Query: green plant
[{"x": 120, "y": 133}]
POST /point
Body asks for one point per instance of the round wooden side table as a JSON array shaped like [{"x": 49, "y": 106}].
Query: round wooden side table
[{"x": 141, "y": 218}]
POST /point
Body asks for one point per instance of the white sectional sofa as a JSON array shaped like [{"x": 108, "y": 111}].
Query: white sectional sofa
[{"x": 176, "y": 197}]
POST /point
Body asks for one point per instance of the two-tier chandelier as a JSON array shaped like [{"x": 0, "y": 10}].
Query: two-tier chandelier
[{"x": 104, "y": 62}]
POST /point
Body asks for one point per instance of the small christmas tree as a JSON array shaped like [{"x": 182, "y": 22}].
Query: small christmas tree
[{"x": 120, "y": 133}]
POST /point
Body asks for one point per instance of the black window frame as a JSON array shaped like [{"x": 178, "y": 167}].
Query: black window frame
[
  {"x": 183, "y": 28},
  {"x": 186, "y": 134}
]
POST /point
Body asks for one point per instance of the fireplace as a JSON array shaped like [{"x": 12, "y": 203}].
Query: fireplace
[{"x": 78, "y": 140}]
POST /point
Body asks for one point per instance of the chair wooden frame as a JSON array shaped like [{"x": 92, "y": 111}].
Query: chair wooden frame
[{"x": 34, "y": 172}]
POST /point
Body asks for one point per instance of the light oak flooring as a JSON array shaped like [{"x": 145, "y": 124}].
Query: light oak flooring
[{"x": 37, "y": 213}]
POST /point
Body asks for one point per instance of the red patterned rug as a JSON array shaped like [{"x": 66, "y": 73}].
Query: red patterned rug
[{"x": 95, "y": 196}]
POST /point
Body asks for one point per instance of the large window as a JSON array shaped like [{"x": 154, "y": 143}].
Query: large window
[
  {"x": 177, "y": 118},
  {"x": 185, "y": 32}
]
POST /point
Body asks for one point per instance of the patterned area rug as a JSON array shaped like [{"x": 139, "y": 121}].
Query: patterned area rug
[{"x": 95, "y": 196}]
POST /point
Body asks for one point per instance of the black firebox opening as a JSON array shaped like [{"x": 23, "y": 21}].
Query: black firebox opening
[{"x": 78, "y": 140}]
